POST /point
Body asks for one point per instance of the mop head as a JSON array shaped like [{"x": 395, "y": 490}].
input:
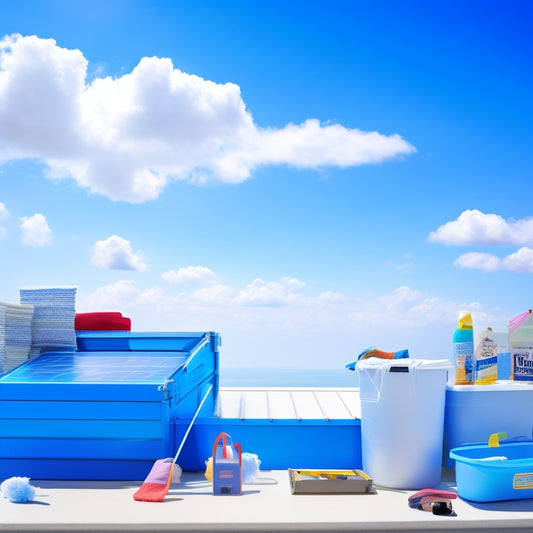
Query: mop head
[
  {"x": 156, "y": 485},
  {"x": 18, "y": 490}
]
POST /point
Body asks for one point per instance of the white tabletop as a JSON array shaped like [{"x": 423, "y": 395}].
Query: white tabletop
[{"x": 266, "y": 505}]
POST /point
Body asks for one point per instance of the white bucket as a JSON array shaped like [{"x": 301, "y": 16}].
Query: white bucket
[{"x": 402, "y": 420}]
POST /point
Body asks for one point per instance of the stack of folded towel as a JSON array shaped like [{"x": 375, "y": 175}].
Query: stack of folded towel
[
  {"x": 15, "y": 334},
  {"x": 53, "y": 318}
]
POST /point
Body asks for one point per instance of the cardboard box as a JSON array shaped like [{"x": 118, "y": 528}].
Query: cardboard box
[{"x": 316, "y": 481}]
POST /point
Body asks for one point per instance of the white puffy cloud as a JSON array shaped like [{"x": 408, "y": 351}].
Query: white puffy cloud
[
  {"x": 116, "y": 253},
  {"x": 217, "y": 294},
  {"x": 332, "y": 297},
  {"x": 122, "y": 295},
  {"x": 190, "y": 274},
  {"x": 479, "y": 261},
  {"x": 4, "y": 215},
  {"x": 473, "y": 227},
  {"x": 311, "y": 331},
  {"x": 35, "y": 230},
  {"x": 127, "y": 137},
  {"x": 520, "y": 261},
  {"x": 270, "y": 294}
]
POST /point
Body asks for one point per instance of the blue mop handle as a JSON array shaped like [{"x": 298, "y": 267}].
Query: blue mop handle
[{"x": 192, "y": 422}]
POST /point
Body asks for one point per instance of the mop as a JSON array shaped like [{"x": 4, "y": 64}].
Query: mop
[{"x": 156, "y": 485}]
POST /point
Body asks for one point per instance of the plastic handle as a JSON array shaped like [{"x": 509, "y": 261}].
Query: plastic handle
[
  {"x": 223, "y": 437},
  {"x": 403, "y": 369},
  {"x": 494, "y": 439}
]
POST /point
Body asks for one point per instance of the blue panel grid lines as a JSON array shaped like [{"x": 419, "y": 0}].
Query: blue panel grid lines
[{"x": 98, "y": 367}]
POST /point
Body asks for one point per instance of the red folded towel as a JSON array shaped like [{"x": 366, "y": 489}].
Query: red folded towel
[{"x": 102, "y": 321}]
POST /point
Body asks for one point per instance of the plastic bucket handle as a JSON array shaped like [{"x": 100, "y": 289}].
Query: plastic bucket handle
[
  {"x": 227, "y": 442},
  {"x": 222, "y": 436}
]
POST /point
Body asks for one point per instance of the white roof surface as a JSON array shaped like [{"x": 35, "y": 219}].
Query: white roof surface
[{"x": 289, "y": 403}]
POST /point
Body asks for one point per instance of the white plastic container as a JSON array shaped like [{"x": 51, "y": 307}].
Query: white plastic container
[
  {"x": 474, "y": 412},
  {"x": 402, "y": 420},
  {"x": 486, "y": 359}
]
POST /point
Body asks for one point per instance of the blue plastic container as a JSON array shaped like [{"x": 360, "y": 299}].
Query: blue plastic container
[
  {"x": 474, "y": 411},
  {"x": 279, "y": 444},
  {"x": 489, "y": 474},
  {"x": 106, "y": 411}
]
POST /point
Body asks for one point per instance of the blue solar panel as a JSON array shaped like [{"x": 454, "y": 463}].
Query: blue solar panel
[{"x": 100, "y": 367}]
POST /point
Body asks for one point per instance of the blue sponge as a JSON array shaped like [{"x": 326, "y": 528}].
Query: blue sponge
[{"x": 18, "y": 489}]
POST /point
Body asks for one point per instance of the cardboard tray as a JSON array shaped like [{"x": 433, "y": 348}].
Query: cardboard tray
[{"x": 315, "y": 481}]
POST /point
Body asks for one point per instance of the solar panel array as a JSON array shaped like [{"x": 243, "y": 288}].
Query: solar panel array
[{"x": 99, "y": 367}]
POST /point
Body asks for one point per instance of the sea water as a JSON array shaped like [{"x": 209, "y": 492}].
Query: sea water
[{"x": 292, "y": 377}]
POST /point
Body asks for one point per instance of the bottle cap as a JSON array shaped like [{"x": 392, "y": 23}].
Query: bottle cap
[{"x": 465, "y": 322}]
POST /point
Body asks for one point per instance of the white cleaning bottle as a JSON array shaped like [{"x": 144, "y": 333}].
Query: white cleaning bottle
[{"x": 486, "y": 359}]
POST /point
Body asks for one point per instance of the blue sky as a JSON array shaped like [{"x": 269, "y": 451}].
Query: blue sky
[{"x": 307, "y": 178}]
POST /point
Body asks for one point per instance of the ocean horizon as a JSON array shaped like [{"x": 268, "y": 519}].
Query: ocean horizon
[{"x": 286, "y": 377}]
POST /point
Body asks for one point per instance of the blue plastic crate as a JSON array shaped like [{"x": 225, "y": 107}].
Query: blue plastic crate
[
  {"x": 105, "y": 411},
  {"x": 279, "y": 444}
]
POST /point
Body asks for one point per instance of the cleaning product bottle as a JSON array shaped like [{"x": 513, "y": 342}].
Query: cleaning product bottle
[
  {"x": 463, "y": 351},
  {"x": 521, "y": 346},
  {"x": 486, "y": 359}
]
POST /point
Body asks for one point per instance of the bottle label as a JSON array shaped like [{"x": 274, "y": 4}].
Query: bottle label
[
  {"x": 486, "y": 362},
  {"x": 464, "y": 355},
  {"x": 522, "y": 362}
]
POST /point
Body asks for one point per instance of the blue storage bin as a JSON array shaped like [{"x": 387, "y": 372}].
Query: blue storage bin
[
  {"x": 105, "y": 411},
  {"x": 474, "y": 411},
  {"x": 488, "y": 474},
  {"x": 279, "y": 444}
]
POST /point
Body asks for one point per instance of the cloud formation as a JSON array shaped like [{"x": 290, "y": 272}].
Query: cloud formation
[
  {"x": 519, "y": 261},
  {"x": 479, "y": 261},
  {"x": 116, "y": 253},
  {"x": 473, "y": 227},
  {"x": 35, "y": 230},
  {"x": 270, "y": 294},
  {"x": 190, "y": 274},
  {"x": 127, "y": 137},
  {"x": 280, "y": 324}
]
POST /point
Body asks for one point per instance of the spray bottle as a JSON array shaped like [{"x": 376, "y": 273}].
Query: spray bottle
[
  {"x": 486, "y": 359},
  {"x": 463, "y": 351}
]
